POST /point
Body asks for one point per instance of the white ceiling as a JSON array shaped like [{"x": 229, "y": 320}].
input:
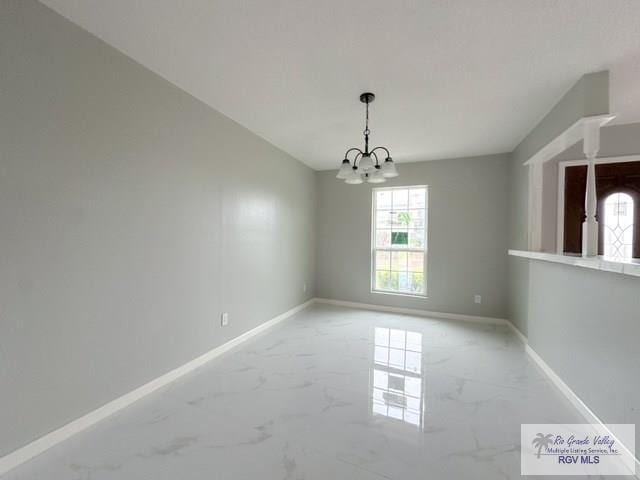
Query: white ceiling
[{"x": 452, "y": 77}]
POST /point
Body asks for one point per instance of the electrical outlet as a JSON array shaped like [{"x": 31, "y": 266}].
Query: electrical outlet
[
  {"x": 304, "y": 287},
  {"x": 477, "y": 298},
  {"x": 224, "y": 319}
]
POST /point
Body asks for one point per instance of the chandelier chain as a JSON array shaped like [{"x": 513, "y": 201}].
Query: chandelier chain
[{"x": 366, "y": 128}]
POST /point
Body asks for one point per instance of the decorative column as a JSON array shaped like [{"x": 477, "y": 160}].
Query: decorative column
[
  {"x": 535, "y": 206},
  {"x": 590, "y": 224}
]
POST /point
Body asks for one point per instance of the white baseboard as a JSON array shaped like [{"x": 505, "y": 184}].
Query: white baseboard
[
  {"x": 414, "y": 311},
  {"x": 570, "y": 395},
  {"x": 51, "y": 439}
]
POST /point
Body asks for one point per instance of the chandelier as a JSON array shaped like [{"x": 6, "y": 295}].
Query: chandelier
[{"x": 365, "y": 166}]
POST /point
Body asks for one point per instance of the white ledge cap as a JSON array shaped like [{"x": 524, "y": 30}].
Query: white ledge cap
[{"x": 631, "y": 267}]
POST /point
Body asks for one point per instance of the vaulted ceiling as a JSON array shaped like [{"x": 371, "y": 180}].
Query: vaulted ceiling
[{"x": 453, "y": 77}]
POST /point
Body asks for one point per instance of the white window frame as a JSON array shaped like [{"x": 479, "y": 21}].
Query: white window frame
[
  {"x": 423, "y": 250},
  {"x": 562, "y": 165}
]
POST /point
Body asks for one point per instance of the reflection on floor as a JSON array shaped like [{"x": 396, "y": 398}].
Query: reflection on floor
[
  {"x": 396, "y": 375},
  {"x": 331, "y": 393}
]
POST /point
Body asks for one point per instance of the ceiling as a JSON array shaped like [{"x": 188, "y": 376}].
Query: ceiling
[{"x": 453, "y": 78}]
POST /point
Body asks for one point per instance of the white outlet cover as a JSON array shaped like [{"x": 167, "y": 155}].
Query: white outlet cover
[
  {"x": 478, "y": 299},
  {"x": 224, "y": 320}
]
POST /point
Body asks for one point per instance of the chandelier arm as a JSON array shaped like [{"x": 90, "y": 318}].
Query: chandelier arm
[
  {"x": 374, "y": 156},
  {"x": 357, "y": 157},
  {"x": 382, "y": 148},
  {"x": 354, "y": 149}
]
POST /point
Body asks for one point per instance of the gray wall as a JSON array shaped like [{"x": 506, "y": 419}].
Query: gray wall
[
  {"x": 586, "y": 324},
  {"x": 466, "y": 239},
  {"x": 131, "y": 216},
  {"x": 583, "y": 323}
]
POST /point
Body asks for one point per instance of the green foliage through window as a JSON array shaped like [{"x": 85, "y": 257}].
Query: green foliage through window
[
  {"x": 399, "y": 238},
  {"x": 404, "y": 218}
]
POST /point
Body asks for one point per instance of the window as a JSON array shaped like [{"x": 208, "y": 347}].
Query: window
[
  {"x": 399, "y": 253},
  {"x": 618, "y": 226}
]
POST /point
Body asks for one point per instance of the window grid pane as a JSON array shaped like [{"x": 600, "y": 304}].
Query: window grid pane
[{"x": 400, "y": 199}]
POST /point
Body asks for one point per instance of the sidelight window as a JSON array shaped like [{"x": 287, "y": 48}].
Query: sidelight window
[{"x": 618, "y": 226}]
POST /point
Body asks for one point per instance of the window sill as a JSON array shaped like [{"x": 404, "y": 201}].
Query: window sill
[
  {"x": 631, "y": 268},
  {"x": 400, "y": 294}
]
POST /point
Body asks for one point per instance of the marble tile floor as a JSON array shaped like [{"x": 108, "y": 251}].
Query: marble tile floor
[{"x": 331, "y": 393}]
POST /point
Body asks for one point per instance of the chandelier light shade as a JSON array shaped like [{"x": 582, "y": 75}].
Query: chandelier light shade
[
  {"x": 365, "y": 165},
  {"x": 345, "y": 170},
  {"x": 389, "y": 169},
  {"x": 353, "y": 178},
  {"x": 376, "y": 176}
]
